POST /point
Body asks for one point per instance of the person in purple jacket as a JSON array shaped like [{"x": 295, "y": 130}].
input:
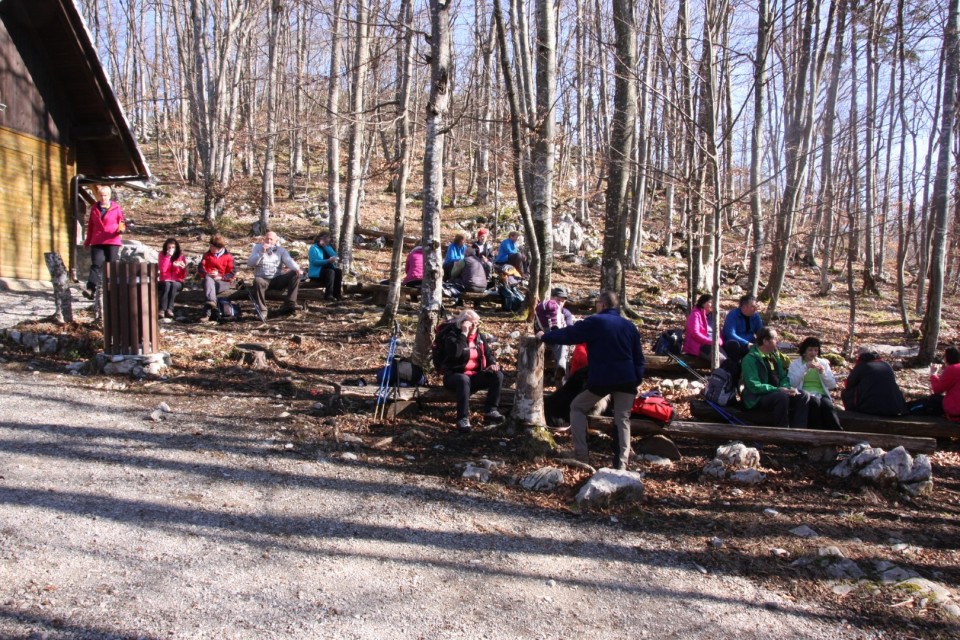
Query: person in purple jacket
[{"x": 615, "y": 368}]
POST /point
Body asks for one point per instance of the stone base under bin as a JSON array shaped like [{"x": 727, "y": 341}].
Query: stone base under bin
[{"x": 136, "y": 366}]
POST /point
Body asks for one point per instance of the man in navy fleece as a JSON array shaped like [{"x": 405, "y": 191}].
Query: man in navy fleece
[{"x": 615, "y": 368}]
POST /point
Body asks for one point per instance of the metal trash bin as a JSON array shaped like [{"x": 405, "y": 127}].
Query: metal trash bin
[{"x": 131, "y": 326}]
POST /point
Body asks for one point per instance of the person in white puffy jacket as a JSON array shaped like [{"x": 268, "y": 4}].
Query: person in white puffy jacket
[{"x": 811, "y": 373}]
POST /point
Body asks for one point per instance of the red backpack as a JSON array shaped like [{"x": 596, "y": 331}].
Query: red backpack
[{"x": 652, "y": 406}]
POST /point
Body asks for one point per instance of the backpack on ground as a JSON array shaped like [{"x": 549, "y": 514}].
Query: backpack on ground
[
  {"x": 403, "y": 373},
  {"x": 670, "y": 341},
  {"x": 512, "y": 298},
  {"x": 227, "y": 311},
  {"x": 438, "y": 353},
  {"x": 652, "y": 406},
  {"x": 720, "y": 387}
]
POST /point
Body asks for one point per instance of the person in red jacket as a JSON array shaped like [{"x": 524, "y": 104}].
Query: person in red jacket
[
  {"x": 172, "y": 269},
  {"x": 947, "y": 383},
  {"x": 104, "y": 227},
  {"x": 217, "y": 271}
]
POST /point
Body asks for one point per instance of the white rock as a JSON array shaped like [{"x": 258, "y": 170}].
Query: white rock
[
  {"x": 655, "y": 461},
  {"x": 919, "y": 472},
  {"x": 76, "y": 366},
  {"x": 163, "y": 406},
  {"x": 608, "y": 485},
  {"x": 773, "y": 513},
  {"x": 667, "y": 384},
  {"x": 696, "y": 385},
  {"x": 938, "y": 592},
  {"x": 830, "y": 551},
  {"x": 865, "y": 457},
  {"x": 918, "y": 488},
  {"x": 285, "y": 414},
  {"x": 780, "y": 553},
  {"x": 877, "y": 471},
  {"x": 681, "y": 383},
  {"x": 715, "y": 469},
  {"x": 118, "y": 358},
  {"x": 951, "y": 609},
  {"x": 738, "y": 456},
  {"x": 716, "y": 542},
  {"x": 899, "y": 461},
  {"x": 157, "y": 415},
  {"x": 543, "y": 479},
  {"x": 679, "y": 301},
  {"x": 476, "y": 473},
  {"x": 803, "y": 531},
  {"x": 348, "y": 456},
  {"x": 514, "y": 335},
  {"x": 748, "y": 476}
]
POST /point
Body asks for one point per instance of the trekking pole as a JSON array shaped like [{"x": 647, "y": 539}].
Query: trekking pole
[
  {"x": 726, "y": 415},
  {"x": 687, "y": 367},
  {"x": 383, "y": 387},
  {"x": 396, "y": 383}
]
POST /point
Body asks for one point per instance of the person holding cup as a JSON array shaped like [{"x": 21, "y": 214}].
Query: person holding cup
[
  {"x": 217, "y": 271},
  {"x": 273, "y": 268},
  {"x": 811, "y": 373},
  {"x": 171, "y": 271},
  {"x": 325, "y": 267}
]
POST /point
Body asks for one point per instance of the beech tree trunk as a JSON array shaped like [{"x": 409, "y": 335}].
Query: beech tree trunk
[{"x": 528, "y": 401}]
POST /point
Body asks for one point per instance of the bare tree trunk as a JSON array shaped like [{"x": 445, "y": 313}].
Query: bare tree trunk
[
  {"x": 270, "y": 148},
  {"x": 361, "y": 58},
  {"x": 621, "y": 145},
  {"x": 764, "y": 27},
  {"x": 544, "y": 152},
  {"x": 333, "y": 135},
  {"x": 403, "y": 166},
  {"x": 930, "y": 330},
  {"x": 437, "y": 107},
  {"x": 528, "y": 401}
]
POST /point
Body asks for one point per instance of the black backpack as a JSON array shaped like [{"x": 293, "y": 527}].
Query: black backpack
[
  {"x": 403, "y": 373},
  {"x": 670, "y": 341},
  {"x": 720, "y": 388},
  {"x": 227, "y": 311},
  {"x": 438, "y": 354}
]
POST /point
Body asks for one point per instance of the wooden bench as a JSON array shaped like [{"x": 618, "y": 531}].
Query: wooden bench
[{"x": 852, "y": 421}]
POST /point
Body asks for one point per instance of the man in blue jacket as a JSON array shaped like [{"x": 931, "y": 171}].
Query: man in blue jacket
[
  {"x": 740, "y": 328},
  {"x": 615, "y": 368}
]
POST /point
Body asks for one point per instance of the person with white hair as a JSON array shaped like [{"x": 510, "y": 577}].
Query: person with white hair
[{"x": 469, "y": 365}]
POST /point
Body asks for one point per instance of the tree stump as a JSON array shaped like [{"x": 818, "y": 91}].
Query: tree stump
[
  {"x": 528, "y": 403},
  {"x": 254, "y": 356},
  {"x": 61, "y": 287}
]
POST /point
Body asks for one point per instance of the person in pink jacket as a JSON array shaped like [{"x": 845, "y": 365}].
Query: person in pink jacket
[
  {"x": 104, "y": 228},
  {"x": 946, "y": 383},
  {"x": 699, "y": 332},
  {"x": 172, "y": 268},
  {"x": 413, "y": 272}
]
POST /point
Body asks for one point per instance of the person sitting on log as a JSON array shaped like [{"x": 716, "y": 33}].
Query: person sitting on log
[
  {"x": 469, "y": 365},
  {"x": 766, "y": 384},
  {"x": 413, "y": 269},
  {"x": 615, "y": 368},
  {"x": 552, "y": 314},
  {"x": 811, "y": 373},
  {"x": 509, "y": 253},
  {"x": 698, "y": 337},
  {"x": 268, "y": 259},
  {"x": 945, "y": 383},
  {"x": 171, "y": 271},
  {"x": 741, "y": 327},
  {"x": 217, "y": 271},
  {"x": 872, "y": 387},
  {"x": 453, "y": 259},
  {"x": 484, "y": 249},
  {"x": 473, "y": 277},
  {"x": 325, "y": 267}
]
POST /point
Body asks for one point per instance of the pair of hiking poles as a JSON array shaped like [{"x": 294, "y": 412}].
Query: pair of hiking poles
[
  {"x": 385, "y": 387},
  {"x": 723, "y": 413}
]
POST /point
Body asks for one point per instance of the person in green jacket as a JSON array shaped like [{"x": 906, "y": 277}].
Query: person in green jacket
[{"x": 766, "y": 385}]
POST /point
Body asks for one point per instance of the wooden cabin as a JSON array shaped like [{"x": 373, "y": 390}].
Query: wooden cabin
[{"x": 60, "y": 127}]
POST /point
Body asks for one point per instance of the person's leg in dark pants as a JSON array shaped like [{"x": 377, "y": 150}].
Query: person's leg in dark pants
[
  {"x": 778, "y": 403},
  {"x": 823, "y": 415},
  {"x": 289, "y": 281},
  {"x": 337, "y": 283},
  {"x": 168, "y": 294},
  {"x": 800, "y": 410},
  {"x": 459, "y": 383},
  {"x": 326, "y": 281},
  {"x": 492, "y": 381},
  {"x": 100, "y": 254}
]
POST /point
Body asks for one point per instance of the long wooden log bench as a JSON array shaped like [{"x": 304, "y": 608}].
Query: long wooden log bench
[
  {"x": 772, "y": 435},
  {"x": 927, "y": 427}
]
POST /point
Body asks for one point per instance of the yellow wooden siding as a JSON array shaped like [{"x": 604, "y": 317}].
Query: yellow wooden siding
[{"x": 34, "y": 204}]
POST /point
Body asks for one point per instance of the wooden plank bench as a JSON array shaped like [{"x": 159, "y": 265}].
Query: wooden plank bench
[
  {"x": 926, "y": 427},
  {"x": 772, "y": 435}
]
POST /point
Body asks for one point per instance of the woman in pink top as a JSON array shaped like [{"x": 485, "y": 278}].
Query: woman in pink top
[
  {"x": 698, "y": 336},
  {"x": 172, "y": 270},
  {"x": 413, "y": 273},
  {"x": 104, "y": 227},
  {"x": 946, "y": 383}
]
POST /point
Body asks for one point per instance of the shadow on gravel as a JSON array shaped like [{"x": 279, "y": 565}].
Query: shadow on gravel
[{"x": 61, "y": 628}]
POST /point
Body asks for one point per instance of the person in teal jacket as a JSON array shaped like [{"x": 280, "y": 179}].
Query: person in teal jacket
[
  {"x": 766, "y": 383},
  {"x": 325, "y": 267}
]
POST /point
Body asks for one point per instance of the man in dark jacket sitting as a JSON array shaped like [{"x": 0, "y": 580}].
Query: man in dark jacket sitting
[
  {"x": 473, "y": 277},
  {"x": 872, "y": 387},
  {"x": 615, "y": 368}
]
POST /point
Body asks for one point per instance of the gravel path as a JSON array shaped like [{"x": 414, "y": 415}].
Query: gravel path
[{"x": 112, "y": 525}]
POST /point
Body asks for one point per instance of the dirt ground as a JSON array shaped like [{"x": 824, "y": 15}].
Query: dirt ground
[{"x": 276, "y": 458}]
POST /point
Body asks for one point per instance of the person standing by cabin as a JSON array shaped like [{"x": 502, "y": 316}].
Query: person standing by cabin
[
  {"x": 766, "y": 384},
  {"x": 105, "y": 226},
  {"x": 171, "y": 271},
  {"x": 811, "y": 373},
  {"x": 615, "y": 368}
]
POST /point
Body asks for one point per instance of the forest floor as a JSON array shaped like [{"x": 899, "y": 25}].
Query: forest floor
[{"x": 719, "y": 529}]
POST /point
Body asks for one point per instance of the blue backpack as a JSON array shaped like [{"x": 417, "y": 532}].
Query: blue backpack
[{"x": 512, "y": 298}]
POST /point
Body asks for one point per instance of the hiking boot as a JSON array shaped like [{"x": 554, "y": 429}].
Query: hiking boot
[
  {"x": 288, "y": 309},
  {"x": 463, "y": 425},
  {"x": 87, "y": 293},
  {"x": 493, "y": 416}
]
